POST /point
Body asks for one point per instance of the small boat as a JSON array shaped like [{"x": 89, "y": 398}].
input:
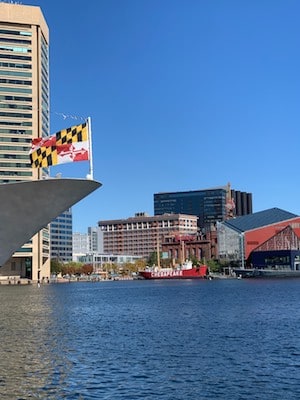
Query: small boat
[{"x": 184, "y": 271}]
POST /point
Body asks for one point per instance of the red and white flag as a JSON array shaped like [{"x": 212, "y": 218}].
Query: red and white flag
[
  {"x": 67, "y": 145},
  {"x": 77, "y": 151},
  {"x": 47, "y": 141}
]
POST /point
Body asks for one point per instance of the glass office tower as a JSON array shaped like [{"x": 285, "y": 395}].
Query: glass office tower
[
  {"x": 61, "y": 234},
  {"x": 210, "y": 205}
]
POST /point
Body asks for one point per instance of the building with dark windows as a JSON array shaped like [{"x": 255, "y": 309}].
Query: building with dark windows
[
  {"x": 242, "y": 202},
  {"x": 209, "y": 205},
  {"x": 61, "y": 237}
]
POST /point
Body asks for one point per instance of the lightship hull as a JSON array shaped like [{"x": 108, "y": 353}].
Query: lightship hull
[{"x": 166, "y": 273}]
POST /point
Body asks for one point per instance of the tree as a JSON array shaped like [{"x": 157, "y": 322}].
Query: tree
[
  {"x": 214, "y": 266},
  {"x": 194, "y": 260},
  {"x": 55, "y": 266},
  {"x": 152, "y": 259},
  {"x": 86, "y": 269},
  {"x": 140, "y": 264}
]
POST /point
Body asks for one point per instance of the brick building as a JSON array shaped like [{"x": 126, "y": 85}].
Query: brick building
[
  {"x": 178, "y": 248},
  {"x": 140, "y": 235}
]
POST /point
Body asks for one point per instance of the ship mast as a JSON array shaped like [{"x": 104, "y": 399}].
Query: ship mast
[
  {"x": 182, "y": 252},
  {"x": 157, "y": 252}
]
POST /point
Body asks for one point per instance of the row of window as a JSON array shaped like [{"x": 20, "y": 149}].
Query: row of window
[
  {"x": 14, "y": 65},
  {"x": 15, "y": 90},
  {"x": 18, "y": 41},
  {"x": 15, "y": 115},
  {"x": 15, "y": 57},
  {"x": 16, "y": 132},
  {"x": 15, "y": 165},
  {"x": 15, "y": 173},
  {"x": 14, "y": 32},
  {"x": 16, "y": 73},
  {"x": 15, "y": 98},
  {"x": 14, "y": 180},
  {"x": 15, "y": 148},
  {"x": 15, "y": 82},
  {"x": 61, "y": 232},
  {"x": 14, "y": 156},
  {"x": 16, "y": 123},
  {"x": 61, "y": 241},
  {"x": 15, "y": 49},
  {"x": 172, "y": 225},
  {"x": 16, "y": 106}
]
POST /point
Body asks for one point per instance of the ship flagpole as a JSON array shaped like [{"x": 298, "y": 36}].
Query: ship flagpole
[{"x": 91, "y": 171}]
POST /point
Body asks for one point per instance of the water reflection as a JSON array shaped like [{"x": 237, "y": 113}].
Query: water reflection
[
  {"x": 32, "y": 357},
  {"x": 229, "y": 340}
]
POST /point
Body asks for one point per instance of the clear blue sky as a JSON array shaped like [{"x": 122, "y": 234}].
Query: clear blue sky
[{"x": 183, "y": 95}]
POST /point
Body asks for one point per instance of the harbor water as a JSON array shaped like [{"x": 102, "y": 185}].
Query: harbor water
[{"x": 167, "y": 340}]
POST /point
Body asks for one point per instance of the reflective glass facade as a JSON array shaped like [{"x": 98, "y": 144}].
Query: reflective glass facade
[
  {"x": 208, "y": 205},
  {"x": 61, "y": 231}
]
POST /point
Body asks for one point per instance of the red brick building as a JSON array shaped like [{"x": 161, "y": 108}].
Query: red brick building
[{"x": 181, "y": 247}]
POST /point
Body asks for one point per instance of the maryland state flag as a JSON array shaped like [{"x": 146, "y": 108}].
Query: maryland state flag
[{"x": 68, "y": 145}]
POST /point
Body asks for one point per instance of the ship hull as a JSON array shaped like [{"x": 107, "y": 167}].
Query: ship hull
[{"x": 194, "y": 273}]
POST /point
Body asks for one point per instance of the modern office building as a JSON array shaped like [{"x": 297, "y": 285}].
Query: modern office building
[
  {"x": 95, "y": 236},
  {"x": 210, "y": 205},
  {"x": 80, "y": 244},
  {"x": 24, "y": 112},
  {"x": 143, "y": 234},
  {"x": 61, "y": 236},
  {"x": 87, "y": 243}
]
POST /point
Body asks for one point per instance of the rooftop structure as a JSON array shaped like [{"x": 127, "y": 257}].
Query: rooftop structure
[{"x": 259, "y": 219}]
